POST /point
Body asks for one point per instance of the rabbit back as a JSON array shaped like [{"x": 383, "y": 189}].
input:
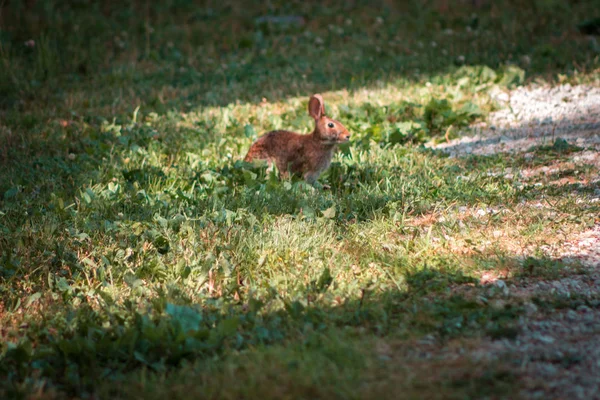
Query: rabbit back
[
  {"x": 291, "y": 152},
  {"x": 279, "y": 147}
]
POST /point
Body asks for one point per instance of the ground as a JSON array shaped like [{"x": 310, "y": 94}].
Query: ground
[
  {"x": 451, "y": 250},
  {"x": 557, "y": 349}
]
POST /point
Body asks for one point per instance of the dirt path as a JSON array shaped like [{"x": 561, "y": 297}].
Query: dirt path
[
  {"x": 535, "y": 116},
  {"x": 557, "y": 351}
]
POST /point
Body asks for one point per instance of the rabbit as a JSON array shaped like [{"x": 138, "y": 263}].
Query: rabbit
[{"x": 304, "y": 155}]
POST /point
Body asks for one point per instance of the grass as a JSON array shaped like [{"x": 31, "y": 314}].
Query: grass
[{"x": 140, "y": 258}]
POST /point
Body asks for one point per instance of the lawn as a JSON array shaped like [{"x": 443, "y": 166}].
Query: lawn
[{"x": 141, "y": 258}]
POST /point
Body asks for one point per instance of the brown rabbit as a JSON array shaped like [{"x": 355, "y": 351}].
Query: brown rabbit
[{"x": 304, "y": 155}]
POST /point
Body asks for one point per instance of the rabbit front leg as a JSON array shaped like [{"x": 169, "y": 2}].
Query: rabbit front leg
[
  {"x": 283, "y": 168},
  {"x": 311, "y": 177}
]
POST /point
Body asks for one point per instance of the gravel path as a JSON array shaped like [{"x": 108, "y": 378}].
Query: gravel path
[
  {"x": 535, "y": 116},
  {"x": 557, "y": 352}
]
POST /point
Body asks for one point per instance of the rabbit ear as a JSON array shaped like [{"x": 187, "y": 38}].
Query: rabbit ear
[{"x": 316, "y": 107}]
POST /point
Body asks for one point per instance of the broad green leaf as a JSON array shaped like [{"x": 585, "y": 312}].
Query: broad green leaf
[
  {"x": 229, "y": 326},
  {"x": 329, "y": 213},
  {"x": 32, "y": 299},
  {"x": 188, "y": 318}
]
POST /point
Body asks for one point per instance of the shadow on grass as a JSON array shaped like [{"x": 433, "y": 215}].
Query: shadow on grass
[
  {"x": 116, "y": 341},
  {"x": 224, "y": 347},
  {"x": 183, "y": 54}
]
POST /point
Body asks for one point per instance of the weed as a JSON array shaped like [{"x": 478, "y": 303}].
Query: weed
[{"x": 139, "y": 256}]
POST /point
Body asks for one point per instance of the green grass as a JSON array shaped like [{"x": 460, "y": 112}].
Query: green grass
[{"x": 139, "y": 257}]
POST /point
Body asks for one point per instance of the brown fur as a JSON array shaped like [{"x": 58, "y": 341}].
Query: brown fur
[{"x": 304, "y": 155}]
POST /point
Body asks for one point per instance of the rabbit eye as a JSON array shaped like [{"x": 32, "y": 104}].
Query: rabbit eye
[{"x": 330, "y": 124}]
